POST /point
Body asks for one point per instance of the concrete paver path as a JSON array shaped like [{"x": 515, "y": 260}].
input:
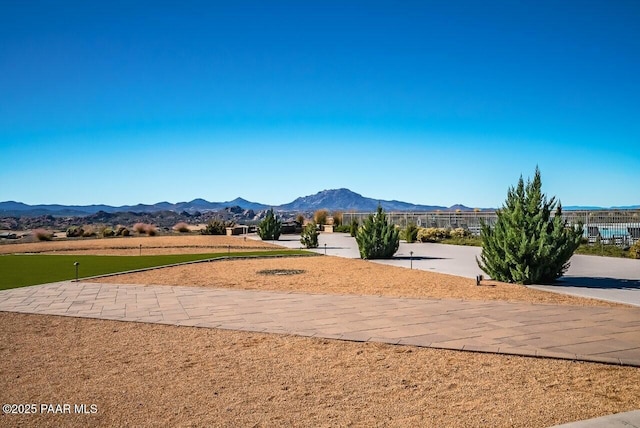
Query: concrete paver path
[{"x": 610, "y": 335}]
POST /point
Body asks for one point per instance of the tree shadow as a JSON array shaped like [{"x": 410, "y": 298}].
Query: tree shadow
[
  {"x": 414, "y": 258},
  {"x": 287, "y": 238},
  {"x": 598, "y": 282}
]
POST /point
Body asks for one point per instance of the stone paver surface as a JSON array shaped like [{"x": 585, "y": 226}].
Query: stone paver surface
[{"x": 609, "y": 335}]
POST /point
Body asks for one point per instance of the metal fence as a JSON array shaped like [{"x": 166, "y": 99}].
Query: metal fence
[{"x": 620, "y": 227}]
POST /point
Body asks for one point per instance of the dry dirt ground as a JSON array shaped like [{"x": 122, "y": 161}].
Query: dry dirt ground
[{"x": 155, "y": 375}]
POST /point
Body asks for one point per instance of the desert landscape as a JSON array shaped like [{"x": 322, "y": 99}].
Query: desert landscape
[
  {"x": 437, "y": 203},
  {"x": 148, "y": 374}
]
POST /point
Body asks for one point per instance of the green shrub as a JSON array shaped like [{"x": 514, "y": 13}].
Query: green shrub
[
  {"x": 216, "y": 227},
  {"x": 270, "y": 228},
  {"x": 343, "y": 228},
  {"x": 411, "y": 233},
  {"x": 309, "y": 237},
  {"x": 122, "y": 231},
  {"x": 74, "y": 232},
  {"x": 107, "y": 232},
  {"x": 353, "y": 228},
  {"x": 377, "y": 238},
  {"x": 526, "y": 245},
  {"x": 458, "y": 233},
  {"x": 432, "y": 234}
]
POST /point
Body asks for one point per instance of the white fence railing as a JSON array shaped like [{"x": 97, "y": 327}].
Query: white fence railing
[{"x": 621, "y": 227}]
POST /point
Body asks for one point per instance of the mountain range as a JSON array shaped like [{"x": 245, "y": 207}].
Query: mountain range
[{"x": 334, "y": 199}]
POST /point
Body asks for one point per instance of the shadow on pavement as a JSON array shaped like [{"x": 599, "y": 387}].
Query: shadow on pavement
[
  {"x": 285, "y": 239},
  {"x": 418, "y": 258},
  {"x": 604, "y": 283}
]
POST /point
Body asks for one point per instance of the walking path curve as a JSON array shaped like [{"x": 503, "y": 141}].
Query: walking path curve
[{"x": 608, "y": 335}]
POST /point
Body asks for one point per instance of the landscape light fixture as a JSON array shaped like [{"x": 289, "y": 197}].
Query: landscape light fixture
[
  {"x": 76, "y": 264},
  {"x": 411, "y": 258},
  {"x": 325, "y": 248}
]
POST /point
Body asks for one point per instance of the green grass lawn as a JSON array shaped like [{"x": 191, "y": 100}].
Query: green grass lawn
[{"x": 19, "y": 270}]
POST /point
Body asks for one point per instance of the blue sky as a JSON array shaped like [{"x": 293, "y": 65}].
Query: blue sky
[{"x": 429, "y": 102}]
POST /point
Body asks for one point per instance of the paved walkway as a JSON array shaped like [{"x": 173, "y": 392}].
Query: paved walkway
[{"x": 609, "y": 335}]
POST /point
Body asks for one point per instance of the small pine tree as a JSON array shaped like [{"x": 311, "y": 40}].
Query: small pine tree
[
  {"x": 526, "y": 245},
  {"x": 309, "y": 237},
  {"x": 269, "y": 228},
  {"x": 377, "y": 238}
]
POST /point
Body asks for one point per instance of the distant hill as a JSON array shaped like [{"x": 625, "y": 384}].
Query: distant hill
[{"x": 346, "y": 200}]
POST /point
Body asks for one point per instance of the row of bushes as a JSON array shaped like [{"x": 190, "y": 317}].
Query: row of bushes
[
  {"x": 432, "y": 234},
  {"x": 89, "y": 231},
  {"x": 214, "y": 227}
]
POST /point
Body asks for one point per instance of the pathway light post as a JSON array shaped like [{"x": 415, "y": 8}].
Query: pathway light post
[
  {"x": 411, "y": 258},
  {"x": 76, "y": 264},
  {"x": 325, "y": 248}
]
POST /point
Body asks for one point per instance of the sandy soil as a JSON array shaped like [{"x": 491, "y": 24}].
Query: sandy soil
[
  {"x": 154, "y": 375},
  {"x": 151, "y": 245},
  {"x": 336, "y": 275}
]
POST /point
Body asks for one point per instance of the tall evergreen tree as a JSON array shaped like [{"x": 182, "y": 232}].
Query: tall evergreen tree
[
  {"x": 269, "y": 228},
  {"x": 377, "y": 238},
  {"x": 527, "y": 245}
]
